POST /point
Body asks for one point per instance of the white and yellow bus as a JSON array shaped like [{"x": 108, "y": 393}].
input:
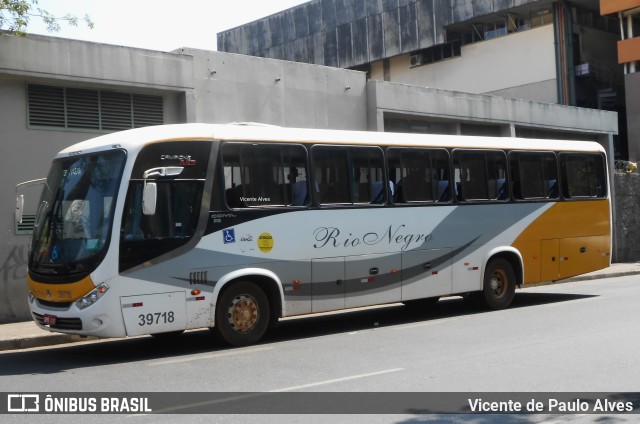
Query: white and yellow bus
[{"x": 162, "y": 229}]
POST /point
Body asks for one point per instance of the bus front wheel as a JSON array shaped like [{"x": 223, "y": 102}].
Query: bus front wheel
[
  {"x": 499, "y": 284},
  {"x": 242, "y": 314}
]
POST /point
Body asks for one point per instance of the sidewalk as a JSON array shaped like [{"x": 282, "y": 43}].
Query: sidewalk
[{"x": 24, "y": 335}]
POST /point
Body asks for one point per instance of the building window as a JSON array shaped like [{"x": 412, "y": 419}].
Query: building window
[
  {"x": 500, "y": 26},
  {"x": 436, "y": 53},
  {"x": 81, "y": 108}
]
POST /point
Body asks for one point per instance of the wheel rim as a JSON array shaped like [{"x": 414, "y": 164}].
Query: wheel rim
[
  {"x": 243, "y": 313},
  {"x": 498, "y": 283}
]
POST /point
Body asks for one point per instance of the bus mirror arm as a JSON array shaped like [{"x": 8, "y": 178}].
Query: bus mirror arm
[
  {"x": 163, "y": 171},
  {"x": 150, "y": 191}
]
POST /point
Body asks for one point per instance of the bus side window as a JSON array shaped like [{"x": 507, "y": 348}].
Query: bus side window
[
  {"x": 264, "y": 175},
  {"x": 349, "y": 175},
  {"x": 583, "y": 175},
  {"x": 420, "y": 175},
  {"x": 534, "y": 175},
  {"x": 480, "y": 175},
  {"x": 367, "y": 172},
  {"x": 331, "y": 174}
]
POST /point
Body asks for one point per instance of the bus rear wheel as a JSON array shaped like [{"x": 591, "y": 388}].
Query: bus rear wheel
[
  {"x": 499, "y": 285},
  {"x": 242, "y": 314}
]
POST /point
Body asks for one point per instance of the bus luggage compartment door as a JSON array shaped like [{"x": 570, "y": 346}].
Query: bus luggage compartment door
[
  {"x": 372, "y": 279},
  {"x": 426, "y": 273},
  {"x": 327, "y": 284},
  {"x": 154, "y": 313},
  {"x": 579, "y": 255}
]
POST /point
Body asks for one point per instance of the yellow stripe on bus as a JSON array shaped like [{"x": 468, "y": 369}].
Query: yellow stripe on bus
[
  {"x": 68, "y": 292},
  {"x": 570, "y": 238}
]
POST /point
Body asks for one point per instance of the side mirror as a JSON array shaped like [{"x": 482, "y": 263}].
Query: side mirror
[
  {"x": 19, "y": 208},
  {"x": 149, "y": 198}
]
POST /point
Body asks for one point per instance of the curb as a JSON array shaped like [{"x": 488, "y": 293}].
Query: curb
[
  {"x": 595, "y": 276},
  {"x": 39, "y": 341}
]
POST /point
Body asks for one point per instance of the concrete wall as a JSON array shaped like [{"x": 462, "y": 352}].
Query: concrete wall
[
  {"x": 385, "y": 97},
  {"x": 230, "y": 87},
  {"x": 499, "y": 66},
  {"x": 62, "y": 59},
  {"x": 627, "y": 211}
]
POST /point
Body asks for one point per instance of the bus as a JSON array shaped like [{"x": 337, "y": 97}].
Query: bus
[{"x": 231, "y": 227}]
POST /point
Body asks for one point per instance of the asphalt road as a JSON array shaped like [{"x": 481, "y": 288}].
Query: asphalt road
[{"x": 573, "y": 337}]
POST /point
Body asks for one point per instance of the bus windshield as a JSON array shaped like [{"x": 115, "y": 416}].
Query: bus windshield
[{"x": 75, "y": 214}]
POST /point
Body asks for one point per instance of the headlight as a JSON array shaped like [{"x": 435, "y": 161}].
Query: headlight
[{"x": 92, "y": 297}]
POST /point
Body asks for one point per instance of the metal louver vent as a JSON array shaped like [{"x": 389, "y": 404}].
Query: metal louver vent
[
  {"x": 116, "y": 110},
  {"x": 82, "y": 108},
  {"x": 46, "y": 106},
  {"x": 92, "y": 109},
  {"x": 147, "y": 110},
  {"x": 26, "y": 226}
]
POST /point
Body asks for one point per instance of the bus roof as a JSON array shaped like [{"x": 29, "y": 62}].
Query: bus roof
[{"x": 137, "y": 138}]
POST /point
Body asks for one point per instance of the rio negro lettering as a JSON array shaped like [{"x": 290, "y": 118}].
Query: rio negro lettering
[{"x": 333, "y": 237}]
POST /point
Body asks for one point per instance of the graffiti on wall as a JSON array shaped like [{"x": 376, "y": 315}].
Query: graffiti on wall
[{"x": 13, "y": 270}]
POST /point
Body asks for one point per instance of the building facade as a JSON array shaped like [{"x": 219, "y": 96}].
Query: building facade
[
  {"x": 628, "y": 49},
  {"x": 550, "y": 51}
]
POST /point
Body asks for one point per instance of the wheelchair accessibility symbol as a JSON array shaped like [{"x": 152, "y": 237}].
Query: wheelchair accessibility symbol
[{"x": 229, "y": 236}]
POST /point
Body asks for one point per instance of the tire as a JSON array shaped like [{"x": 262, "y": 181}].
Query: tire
[
  {"x": 499, "y": 285},
  {"x": 242, "y": 314}
]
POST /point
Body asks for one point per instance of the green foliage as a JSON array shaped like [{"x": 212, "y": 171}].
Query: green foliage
[{"x": 15, "y": 15}]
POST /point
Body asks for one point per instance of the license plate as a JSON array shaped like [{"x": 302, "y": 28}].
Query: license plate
[{"x": 50, "y": 319}]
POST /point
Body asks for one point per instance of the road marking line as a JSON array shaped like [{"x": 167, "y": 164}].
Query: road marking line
[
  {"x": 335, "y": 380},
  {"x": 207, "y": 403},
  {"x": 286, "y": 389},
  {"x": 210, "y": 356}
]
